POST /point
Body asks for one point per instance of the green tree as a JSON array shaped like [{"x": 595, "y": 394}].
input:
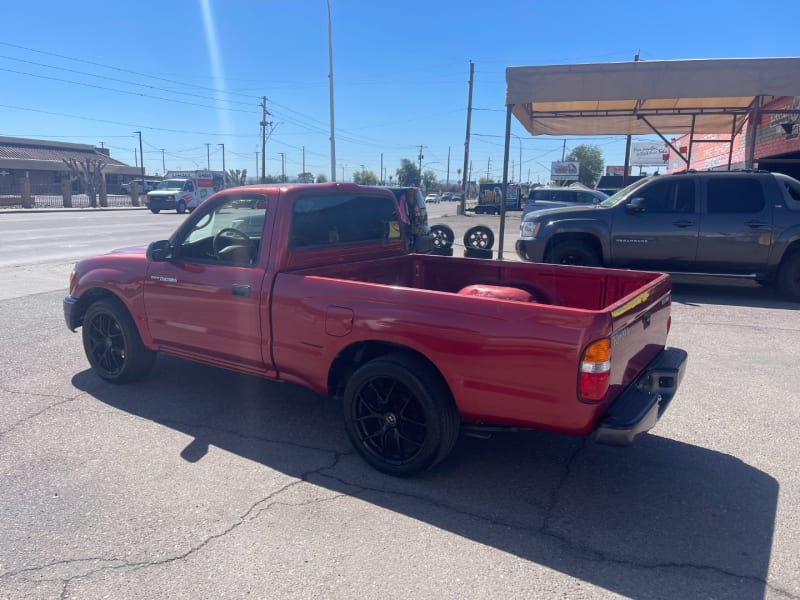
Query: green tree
[
  {"x": 591, "y": 160},
  {"x": 429, "y": 180},
  {"x": 408, "y": 173},
  {"x": 485, "y": 180},
  {"x": 321, "y": 178},
  {"x": 365, "y": 178}
]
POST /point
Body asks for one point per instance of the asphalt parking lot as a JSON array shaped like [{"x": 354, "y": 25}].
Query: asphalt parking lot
[{"x": 200, "y": 483}]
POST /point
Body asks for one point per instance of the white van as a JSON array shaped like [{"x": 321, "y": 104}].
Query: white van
[{"x": 181, "y": 191}]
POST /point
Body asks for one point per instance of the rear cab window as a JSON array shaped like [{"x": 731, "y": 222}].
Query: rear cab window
[{"x": 329, "y": 220}]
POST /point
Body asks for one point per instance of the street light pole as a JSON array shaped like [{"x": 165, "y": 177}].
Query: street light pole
[
  {"x": 208, "y": 157},
  {"x": 330, "y": 84},
  {"x": 224, "y": 173},
  {"x": 141, "y": 154}
]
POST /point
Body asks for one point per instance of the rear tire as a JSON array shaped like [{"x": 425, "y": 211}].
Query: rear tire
[
  {"x": 573, "y": 252},
  {"x": 112, "y": 343},
  {"x": 400, "y": 415},
  {"x": 477, "y": 252},
  {"x": 789, "y": 277}
]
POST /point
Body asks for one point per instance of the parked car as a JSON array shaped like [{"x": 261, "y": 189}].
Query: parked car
[
  {"x": 447, "y": 197},
  {"x": 556, "y": 197},
  {"x": 733, "y": 223},
  {"x": 434, "y": 198}
]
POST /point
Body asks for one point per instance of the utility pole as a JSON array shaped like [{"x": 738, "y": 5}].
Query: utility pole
[
  {"x": 420, "y": 157},
  {"x": 488, "y": 168},
  {"x": 447, "y": 185},
  {"x": 383, "y": 178},
  {"x": 304, "y": 160},
  {"x": 142, "y": 155},
  {"x": 135, "y": 155},
  {"x": 330, "y": 90},
  {"x": 224, "y": 172},
  {"x": 255, "y": 177},
  {"x": 466, "y": 142},
  {"x": 283, "y": 166},
  {"x": 264, "y": 123},
  {"x": 208, "y": 157},
  {"x": 563, "y": 150},
  {"x": 163, "y": 164}
]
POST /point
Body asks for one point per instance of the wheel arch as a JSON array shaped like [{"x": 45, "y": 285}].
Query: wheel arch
[
  {"x": 359, "y": 353},
  {"x": 577, "y": 236},
  {"x": 89, "y": 297}
]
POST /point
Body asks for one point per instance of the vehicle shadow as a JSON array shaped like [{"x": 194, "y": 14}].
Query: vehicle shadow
[
  {"x": 731, "y": 292},
  {"x": 663, "y": 519}
]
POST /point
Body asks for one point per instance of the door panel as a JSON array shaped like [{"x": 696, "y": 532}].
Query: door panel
[
  {"x": 208, "y": 298},
  {"x": 736, "y": 227},
  {"x": 661, "y": 233}
]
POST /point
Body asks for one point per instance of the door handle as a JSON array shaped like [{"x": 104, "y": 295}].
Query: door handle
[
  {"x": 240, "y": 289},
  {"x": 683, "y": 223},
  {"x": 755, "y": 224}
]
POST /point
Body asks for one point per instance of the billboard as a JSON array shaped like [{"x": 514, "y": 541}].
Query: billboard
[
  {"x": 648, "y": 153},
  {"x": 565, "y": 171}
]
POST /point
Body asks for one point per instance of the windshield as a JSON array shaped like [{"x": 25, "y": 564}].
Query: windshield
[
  {"x": 623, "y": 193},
  {"x": 170, "y": 184}
]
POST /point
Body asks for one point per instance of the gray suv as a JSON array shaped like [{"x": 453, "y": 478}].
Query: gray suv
[{"x": 733, "y": 223}]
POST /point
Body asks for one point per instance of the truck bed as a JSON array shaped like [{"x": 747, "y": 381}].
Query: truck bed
[{"x": 524, "y": 355}]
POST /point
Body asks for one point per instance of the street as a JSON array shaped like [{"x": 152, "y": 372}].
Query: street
[{"x": 201, "y": 483}]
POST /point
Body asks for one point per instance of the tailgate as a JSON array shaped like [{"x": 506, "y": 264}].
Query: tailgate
[{"x": 639, "y": 324}]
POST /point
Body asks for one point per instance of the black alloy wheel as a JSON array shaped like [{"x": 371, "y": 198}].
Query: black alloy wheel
[
  {"x": 573, "y": 252},
  {"x": 399, "y": 415},
  {"x": 112, "y": 343}
]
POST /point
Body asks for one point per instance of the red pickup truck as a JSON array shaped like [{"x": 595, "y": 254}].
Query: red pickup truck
[{"x": 315, "y": 284}]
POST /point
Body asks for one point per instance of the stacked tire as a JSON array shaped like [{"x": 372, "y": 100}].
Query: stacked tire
[{"x": 478, "y": 242}]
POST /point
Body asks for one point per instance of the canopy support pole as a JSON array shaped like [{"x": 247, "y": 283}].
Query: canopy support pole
[
  {"x": 506, "y": 151},
  {"x": 733, "y": 137},
  {"x": 691, "y": 143},
  {"x": 752, "y": 133},
  {"x": 665, "y": 140}
]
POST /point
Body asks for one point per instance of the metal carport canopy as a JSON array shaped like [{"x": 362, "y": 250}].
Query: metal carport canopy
[
  {"x": 644, "y": 97},
  {"x": 612, "y": 98}
]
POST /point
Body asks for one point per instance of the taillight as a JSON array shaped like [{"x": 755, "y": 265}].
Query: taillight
[{"x": 595, "y": 371}]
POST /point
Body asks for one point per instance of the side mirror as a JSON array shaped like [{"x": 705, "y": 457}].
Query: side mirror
[
  {"x": 159, "y": 251},
  {"x": 636, "y": 205}
]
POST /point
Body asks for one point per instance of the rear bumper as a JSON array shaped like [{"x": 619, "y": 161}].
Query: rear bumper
[{"x": 643, "y": 402}]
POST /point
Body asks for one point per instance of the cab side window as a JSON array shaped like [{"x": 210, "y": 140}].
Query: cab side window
[
  {"x": 231, "y": 233},
  {"x": 668, "y": 197},
  {"x": 735, "y": 195},
  {"x": 188, "y": 187}
]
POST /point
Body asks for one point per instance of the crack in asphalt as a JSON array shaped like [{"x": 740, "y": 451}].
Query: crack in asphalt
[
  {"x": 64, "y": 400},
  {"x": 265, "y": 504}
]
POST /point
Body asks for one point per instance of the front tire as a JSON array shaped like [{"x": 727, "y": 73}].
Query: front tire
[
  {"x": 112, "y": 343},
  {"x": 181, "y": 208},
  {"x": 573, "y": 252},
  {"x": 155, "y": 211},
  {"x": 789, "y": 277},
  {"x": 400, "y": 415}
]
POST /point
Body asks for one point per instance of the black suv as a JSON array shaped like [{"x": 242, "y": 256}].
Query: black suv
[{"x": 734, "y": 223}]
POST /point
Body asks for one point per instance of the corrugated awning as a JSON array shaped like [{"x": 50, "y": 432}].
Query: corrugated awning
[{"x": 634, "y": 98}]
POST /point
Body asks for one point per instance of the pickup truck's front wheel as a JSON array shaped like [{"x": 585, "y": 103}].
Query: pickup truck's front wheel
[
  {"x": 400, "y": 415},
  {"x": 789, "y": 277},
  {"x": 112, "y": 343},
  {"x": 573, "y": 252}
]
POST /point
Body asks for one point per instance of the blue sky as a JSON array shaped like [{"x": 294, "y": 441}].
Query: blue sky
[{"x": 190, "y": 75}]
